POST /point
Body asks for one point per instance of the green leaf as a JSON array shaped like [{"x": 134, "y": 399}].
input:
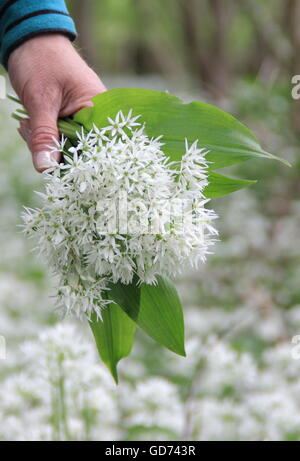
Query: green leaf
[
  {"x": 156, "y": 309},
  {"x": 220, "y": 185},
  {"x": 128, "y": 297},
  {"x": 114, "y": 336},
  {"x": 228, "y": 141},
  {"x": 161, "y": 314}
]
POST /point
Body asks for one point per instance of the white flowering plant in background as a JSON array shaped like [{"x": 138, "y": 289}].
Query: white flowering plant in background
[{"x": 126, "y": 210}]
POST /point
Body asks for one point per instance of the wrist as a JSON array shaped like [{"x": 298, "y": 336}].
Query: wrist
[
  {"x": 22, "y": 20},
  {"x": 35, "y": 46}
]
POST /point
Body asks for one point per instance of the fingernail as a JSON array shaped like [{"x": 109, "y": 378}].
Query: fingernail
[
  {"x": 55, "y": 157},
  {"x": 42, "y": 160}
]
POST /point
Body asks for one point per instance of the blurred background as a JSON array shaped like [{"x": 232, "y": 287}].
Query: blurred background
[{"x": 240, "y": 380}]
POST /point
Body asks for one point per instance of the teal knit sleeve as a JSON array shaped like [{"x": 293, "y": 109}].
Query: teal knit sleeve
[{"x": 21, "y": 20}]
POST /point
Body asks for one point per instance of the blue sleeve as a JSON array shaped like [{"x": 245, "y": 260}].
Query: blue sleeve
[{"x": 21, "y": 20}]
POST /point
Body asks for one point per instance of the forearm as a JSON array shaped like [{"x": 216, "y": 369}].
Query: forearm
[{"x": 21, "y": 20}]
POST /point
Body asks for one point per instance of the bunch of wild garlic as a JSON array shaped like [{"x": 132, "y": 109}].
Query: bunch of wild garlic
[{"x": 117, "y": 209}]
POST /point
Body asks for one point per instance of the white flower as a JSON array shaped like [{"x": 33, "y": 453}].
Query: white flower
[
  {"x": 62, "y": 394},
  {"x": 117, "y": 207},
  {"x": 154, "y": 403}
]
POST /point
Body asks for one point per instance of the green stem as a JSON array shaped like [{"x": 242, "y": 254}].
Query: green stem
[
  {"x": 22, "y": 111},
  {"x": 17, "y": 116},
  {"x": 62, "y": 399},
  {"x": 67, "y": 127},
  {"x": 13, "y": 98}
]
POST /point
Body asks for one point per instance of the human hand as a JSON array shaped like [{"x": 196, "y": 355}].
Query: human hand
[{"x": 52, "y": 81}]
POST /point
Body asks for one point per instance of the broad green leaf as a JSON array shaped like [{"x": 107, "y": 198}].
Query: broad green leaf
[
  {"x": 114, "y": 336},
  {"x": 156, "y": 309},
  {"x": 220, "y": 185},
  {"x": 128, "y": 297},
  {"x": 161, "y": 314},
  {"x": 228, "y": 141}
]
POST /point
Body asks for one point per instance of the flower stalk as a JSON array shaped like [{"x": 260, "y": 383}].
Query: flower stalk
[{"x": 66, "y": 126}]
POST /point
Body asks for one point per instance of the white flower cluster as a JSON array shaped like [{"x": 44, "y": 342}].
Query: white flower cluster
[
  {"x": 118, "y": 208},
  {"x": 61, "y": 394}
]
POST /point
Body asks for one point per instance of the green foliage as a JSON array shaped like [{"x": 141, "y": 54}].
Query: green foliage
[
  {"x": 221, "y": 185},
  {"x": 114, "y": 336},
  {"x": 228, "y": 141},
  {"x": 156, "y": 309}
]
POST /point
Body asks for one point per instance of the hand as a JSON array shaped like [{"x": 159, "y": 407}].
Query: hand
[{"x": 52, "y": 81}]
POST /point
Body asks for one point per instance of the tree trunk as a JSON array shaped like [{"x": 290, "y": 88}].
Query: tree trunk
[
  {"x": 83, "y": 13},
  {"x": 211, "y": 65},
  {"x": 268, "y": 31},
  {"x": 220, "y": 67}
]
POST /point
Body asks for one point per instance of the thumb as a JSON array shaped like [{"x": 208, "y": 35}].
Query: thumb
[{"x": 43, "y": 128}]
